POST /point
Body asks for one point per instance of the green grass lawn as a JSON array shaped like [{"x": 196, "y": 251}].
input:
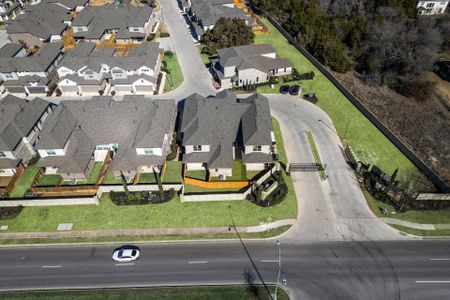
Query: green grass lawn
[
  {"x": 315, "y": 152},
  {"x": 367, "y": 141},
  {"x": 204, "y": 56},
  {"x": 173, "y": 172},
  {"x": 426, "y": 233},
  {"x": 197, "y": 174},
  {"x": 50, "y": 180},
  {"x": 182, "y": 293},
  {"x": 175, "y": 78},
  {"x": 111, "y": 179},
  {"x": 25, "y": 182},
  {"x": 147, "y": 178}
]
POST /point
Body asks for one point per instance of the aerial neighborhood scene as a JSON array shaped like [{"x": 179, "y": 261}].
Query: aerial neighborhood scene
[{"x": 224, "y": 149}]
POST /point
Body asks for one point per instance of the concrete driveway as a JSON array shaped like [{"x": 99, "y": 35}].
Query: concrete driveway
[{"x": 330, "y": 210}]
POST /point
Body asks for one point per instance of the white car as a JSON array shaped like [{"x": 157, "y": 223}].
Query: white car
[{"x": 126, "y": 253}]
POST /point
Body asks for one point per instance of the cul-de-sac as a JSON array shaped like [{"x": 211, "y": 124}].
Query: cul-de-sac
[{"x": 224, "y": 149}]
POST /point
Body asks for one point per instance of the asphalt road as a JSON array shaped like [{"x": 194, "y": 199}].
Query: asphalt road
[{"x": 326, "y": 270}]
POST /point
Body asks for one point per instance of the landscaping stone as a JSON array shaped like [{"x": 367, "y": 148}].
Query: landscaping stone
[
  {"x": 65, "y": 227},
  {"x": 4, "y": 227}
]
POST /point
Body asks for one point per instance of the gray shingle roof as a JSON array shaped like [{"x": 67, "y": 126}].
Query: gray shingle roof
[
  {"x": 252, "y": 56},
  {"x": 133, "y": 122},
  {"x": 18, "y": 117},
  {"x": 85, "y": 54},
  {"x": 209, "y": 12},
  {"x": 219, "y": 121},
  {"x": 41, "y": 20},
  {"x": 41, "y": 61},
  {"x": 11, "y": 49},
  {"x": 70, "y": 4},
  {"x": 107, "y": 17}
]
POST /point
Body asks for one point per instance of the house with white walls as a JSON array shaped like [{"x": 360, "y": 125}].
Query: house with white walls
[
  {"x": 88, "y": 70},
  {"x": 249, "y": 64},
  {"x": 214, "y": 131},
  {"x": 134, "y": 132},
  {"x": 126, "y": 24},
  {"x": 24, "y": 73},
  {"x": 21, "y": 123},
  {"x": 433, "y": 7},
  {"x": 9, "y": 9}
]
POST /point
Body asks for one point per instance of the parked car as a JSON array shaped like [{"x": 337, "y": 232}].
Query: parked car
[
  {"x": 294, "y": 90},
  {"x": 284, "y": 89},
  {"x": 126, "y": 254}
]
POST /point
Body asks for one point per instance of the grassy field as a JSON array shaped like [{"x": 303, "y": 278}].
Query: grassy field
[
  {"x": 175, "y": 78},
  {"x": 147, "y": 178},
  {"x": 369, "y": 143},
  {"x": 238, "y": 172},
  {"x": 204, "y": 56},
  {"x": 182, "y": 293},
  {"x": 425, "y": 233},
  {"x": 25, "y": 181},
  {"x": 111, "y": 179}
]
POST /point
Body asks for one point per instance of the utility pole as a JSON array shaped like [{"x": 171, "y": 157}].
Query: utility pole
[{"x": 279, "y": 272}]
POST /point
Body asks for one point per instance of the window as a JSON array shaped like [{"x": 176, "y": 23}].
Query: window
[
  {"x": 257, "y": 79},
  {"x": 102, "y": 147},
  {"x": 257, "y": 148},
  {"x": 148, "y": 151},
  {"x": 2, "y": 154},
  {"x": 8, "y": 75},
  {"x": 198, "y": 148},
  {"x": 136, "y": 29},
  {"x": 430, "y": 5},
  {"x": 51, "y": 152}
]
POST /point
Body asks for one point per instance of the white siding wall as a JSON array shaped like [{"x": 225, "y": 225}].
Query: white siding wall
[
  {"x": 217, "y": 172},
  {"x": 190, "y": 149},
  {"x": 264, "y": 149},
  {"x": 195, "y": 166},
  {"x": 271, "y": 55},
  {"x": 250, "y": 76},
  {"x": 156, "y": 151},
  {"x": 229, "y": 71},
  {"x": 50, "y": 170},
  {"x": 254, "y": 167},
  {"x": 9, "y": 154}
]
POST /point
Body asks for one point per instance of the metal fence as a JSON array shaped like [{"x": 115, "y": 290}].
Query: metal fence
[{"x": 440, "y": 184}]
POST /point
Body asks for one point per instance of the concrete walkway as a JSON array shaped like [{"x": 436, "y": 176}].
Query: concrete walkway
[
  {"x": 418, "y": 226},
  {"x": 145, "y": 232}
]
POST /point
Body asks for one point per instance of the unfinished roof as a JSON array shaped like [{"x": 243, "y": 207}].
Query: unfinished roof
[
  {"x": 41, "y": 20},
  {"x": 222, "y": 120},
  {"x": 18, "y": 117},
  {"x": 261, "y": 57},
  {"x": 98, "y": 19},
  {"x": 209, "y": 12},
  {"x": 85, "y": 54},
  {"x": 133, "y": 122},
  {"x": 41, "y": 61}
]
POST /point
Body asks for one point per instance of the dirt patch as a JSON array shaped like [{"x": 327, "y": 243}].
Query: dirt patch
[{"x": 424, "y": 126}]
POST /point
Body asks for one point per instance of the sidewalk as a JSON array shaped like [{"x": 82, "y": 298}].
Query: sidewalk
[
  {"x": 146, "y": 232},
  {"x": 418, "y": 226}
]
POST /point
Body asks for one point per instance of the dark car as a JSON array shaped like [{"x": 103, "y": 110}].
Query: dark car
[
  {"x": 294, "y": 89},
  {"x": 284, "y": 89}
]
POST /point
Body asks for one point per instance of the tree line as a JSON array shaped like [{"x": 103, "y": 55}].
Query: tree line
[{"x": 383, "y": 40}]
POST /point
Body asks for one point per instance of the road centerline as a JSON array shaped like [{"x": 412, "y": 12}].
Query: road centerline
[
  {"x": 51, "y": 266},
  {"x": 269, "y": 261},
  {"x": 124, "y": 265},
  {"x": 432, "y": 281},
  {"x": 439, "y": 259},
  {"x": 196, "y": 262}
]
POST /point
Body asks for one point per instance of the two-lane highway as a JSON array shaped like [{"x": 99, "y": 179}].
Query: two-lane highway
[{"x": 327, "y": 270}]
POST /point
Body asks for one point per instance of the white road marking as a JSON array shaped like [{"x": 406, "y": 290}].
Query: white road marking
[
  {"x": 432, "y": 281},
  {"x": 124, "y": 264},
  {"x": 195, "y": 262},
  {"x": 269, "y": 261},
  {"x": 49, "y": 267},
  {"x": 443, "y": 258}
]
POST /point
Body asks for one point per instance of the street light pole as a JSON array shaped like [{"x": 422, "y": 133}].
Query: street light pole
[{"x": 279, "y": 271}]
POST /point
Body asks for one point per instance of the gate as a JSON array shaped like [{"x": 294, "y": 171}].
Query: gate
[{"x": 305, "y": 167}]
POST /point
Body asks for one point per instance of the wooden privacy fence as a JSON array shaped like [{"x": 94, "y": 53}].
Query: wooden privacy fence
[
  {"x": 20, "y": 170},
  {"x": 65, "y": 190},
  {"x": 419, "y": 163}
]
